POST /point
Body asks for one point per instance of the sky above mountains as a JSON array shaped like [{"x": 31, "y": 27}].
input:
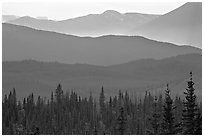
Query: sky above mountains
[{"x": 61, "y": 11}]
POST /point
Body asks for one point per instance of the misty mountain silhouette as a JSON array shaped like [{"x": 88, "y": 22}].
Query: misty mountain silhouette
[
  {"x": 19, "y": 43},
  {"x": 136, "y": 76},
  {"x": 109, "y": 22},
  {"x": 6, "y": 18},
  {"x": 180, "y": 26}
]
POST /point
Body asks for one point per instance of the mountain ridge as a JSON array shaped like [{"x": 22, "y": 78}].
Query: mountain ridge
[
  {"x": 108, "y": 22},
  {"x": 20, "y": 42},
  {"x": 180, "y": 26}
]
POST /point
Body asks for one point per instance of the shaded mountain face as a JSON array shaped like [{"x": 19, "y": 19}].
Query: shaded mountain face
[
  {"x": 108, "y": 23},
  {"x": 19, "y": 43},
  {"x": 136, "y": 77},
  {"x": 182, "y": 26},
  {"x": 6, "y": 18}
]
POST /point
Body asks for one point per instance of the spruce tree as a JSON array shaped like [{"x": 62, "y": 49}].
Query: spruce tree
[
  {"x": 190, "y": 108},
  {"x": 121, "y": 121},
  {"x": 102, "y": 104},
  {"x": 59, "y": 94},
  {"x": 168, "y": 126},
  {"x": 155, "y": 119}
]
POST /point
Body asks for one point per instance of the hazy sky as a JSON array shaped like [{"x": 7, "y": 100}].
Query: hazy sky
[{"x": 60, "y": 11}]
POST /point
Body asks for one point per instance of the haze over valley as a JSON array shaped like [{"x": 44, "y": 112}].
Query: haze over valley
[{"x": 129, "y": 51}]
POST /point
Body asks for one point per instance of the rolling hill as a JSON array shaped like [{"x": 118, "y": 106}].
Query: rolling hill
[{"x": 136, "y": 76}]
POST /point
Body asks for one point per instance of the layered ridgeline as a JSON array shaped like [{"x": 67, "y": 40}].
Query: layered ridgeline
[
  {"x": 136, "y": 77},
  {"x": 109, "y": 22},
  {"x": 19, "y": 43},
  {"x": 180, "y": 26}
]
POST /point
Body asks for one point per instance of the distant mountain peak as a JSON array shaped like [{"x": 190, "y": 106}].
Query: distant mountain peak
[
  {"x": 26, "y": 18},
  {"x": 193, "y": 4},
  {"x": 111, "y": 12},
  {"x": 181, "y": 26}
]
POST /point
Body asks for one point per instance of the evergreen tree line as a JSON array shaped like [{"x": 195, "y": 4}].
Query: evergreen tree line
[{"x": 68, "y": 113}]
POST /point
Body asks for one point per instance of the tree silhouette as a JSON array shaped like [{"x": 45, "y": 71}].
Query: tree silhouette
[
  {"x": 121, "y": 118},
  {"x": 190, "y": 108},
  {"x": 168, "y": 126},
  {"x": 155, "y": 119},
  {"x": 102, "y": 104}
]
